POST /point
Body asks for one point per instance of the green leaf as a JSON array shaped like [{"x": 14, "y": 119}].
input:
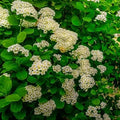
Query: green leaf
[
  {"x": 80, "y": 6},
  {"x": 3, "y": 103},
  {"x": 59, "y": 104},
  {"x": 87, "y": 19},
  {"x": 10, "y": 65},
  {"x": 21, "y": 37},
  {"x": 58, "y": 15},
  {"x": 30, "y": 19},
  {"x": 12, "y": 98},
  {"x": 5, "y": 85},
  {"x": 28, "y": 31},
  {"x": 42, "y": 100},
  {"x": 79, "y": 106},
  {"x": 29, "y": 47},
  {"x": 13, "y": 20},
  {"x": 31, "y": 79},
  {"x": 6, "y": 55},
  {"x": 93, "y": 92},
  {"x": 16, "y": 106},
  {"x": 21, "y": 75},
  {"x": 64, "y": 60},
  {"x": 61, "y": 91},
  {"x": 8, "y": 32},
  {"x": 20, "y": 115},
  {"x": 52, "y": 81},
  {"x": 8, "y": 42},
  {"x": 96, "y": 101},
  {"x": 53, "y": 90},
  {"x": 73, "y": 66},
  {"x": 21, "y": 91},
  {"x": 75, "y": 21}
]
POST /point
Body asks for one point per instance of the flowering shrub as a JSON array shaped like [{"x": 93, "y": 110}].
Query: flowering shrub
[{"x": 59, "y": 60}]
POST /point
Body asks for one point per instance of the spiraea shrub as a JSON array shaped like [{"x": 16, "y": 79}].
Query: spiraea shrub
[{"x": 60, "y": 60}]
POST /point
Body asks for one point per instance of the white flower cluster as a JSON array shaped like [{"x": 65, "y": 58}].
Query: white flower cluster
[
  {"x": 86, "y": 82},
  {"x": 46, "y": 21},
  {"x": 85, "y": 67},
  {"x": 4, "y": 13},
  {"x": 97, "y": 55},
  {"x": 116, "y": 36},
  {"x": 47, "y": 12},
  {"x": 75, "y": 73},
  {"x": 33, "y": 94},
  {"x": 102, "y": 68},
  {"x": 102, "y": 16},
  {"x": 25, "y": 9},
  {"x": 103, "y": 105},
  {"x": 42, "y": 44},
  {"x": 35, "y": 58},
  {"x": 118, "y": 13},
  {"x": 18, "y": 48},
  {"x": 58, "y": 56},
  {"x": 45, "y": 108},
  {"x": 94, "y": 0},
  {"x": 65, "y": 39},
  {"x": 66, "y": 69},
  {"x": 81, "y": 52},
  {"x": 56, "y": 68},
  {"x": 39, "y": 67},
  {"x": 118, "y": 104},
  {"x": 71, "y": 95},
  {"x": 106, "y": 117}
]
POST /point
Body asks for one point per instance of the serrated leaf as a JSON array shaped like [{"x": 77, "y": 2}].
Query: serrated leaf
[
  {"x": 31, "y": 79},
  {"x": 53, "y": 90},
  {"x": 13, "y": 20},
  {"x": 79, "y": 106},
  {"x": 21, "y": 37},
  {"x": 59, "y": 104},
  {"x": 87, "y": 19}
]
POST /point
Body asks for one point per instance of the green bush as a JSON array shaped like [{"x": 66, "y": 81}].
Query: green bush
[{"x": 60, "y": 59}]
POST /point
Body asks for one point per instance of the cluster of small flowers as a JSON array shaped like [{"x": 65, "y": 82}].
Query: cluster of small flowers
[
  {"x": 35, "y": 58},
  {"x": 116, "y": 36},
  {"x": 92, "y": 112},
  {"x": 94, "y": 0},
  {"x": 25, "y": 9},
  {"x": 118, "y": 104},
  {"x": 102, "y": 68},
  {"x": 45, "y": 108},
  {"x": 102, "y": 105},
  {"x": 102, "y": 16},
  {"x": 3, "y": 18},
  {"x": 71, "y": 95},
  {"x": 66, "y": 69},
  {"x": 46, "y": 12},
  {"x": 85, "y": 67},
  {"x": 65, "y": 39},
  {"x": 46, "y": 21},
  {"x": 75, "y": 73},
  {"x": 106, "y": 117},
  {"x": 42, "y": 44},
  {"x": 81, "y": 52},
  {"x": 18, "y": 48},
  {"x": 34, "y": 93},
  {"x": 58, "y": 56},
  {"x": 118, "y": 13},
  {"x": 86, "y": 82},
  {"x": 97, "y": 55},
  {"x": 56, "y": 68},
  {"x": 39, "y": 67}
]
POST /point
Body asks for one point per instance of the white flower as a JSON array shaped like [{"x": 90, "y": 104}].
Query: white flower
[
  {"x": 4, "y": 13},
  {"x": 118, "y": 13},
  {"x": 102, "y": 16},
  {"x": 56, "y": 68},
  {"x": 102, "y": 68},
  {"x": 33, "y": 94},
  {"x": 45, "y": 108}
]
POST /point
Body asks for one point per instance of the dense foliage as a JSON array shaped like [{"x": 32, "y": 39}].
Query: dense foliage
[{"x": 60, "y": 59}]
